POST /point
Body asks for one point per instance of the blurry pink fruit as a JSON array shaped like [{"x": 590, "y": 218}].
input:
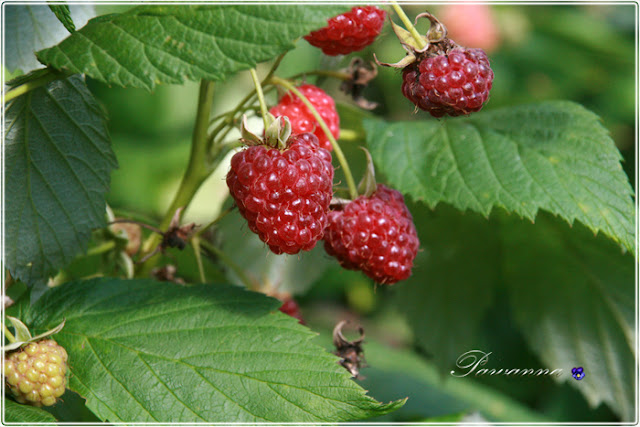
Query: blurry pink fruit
[{"x": 471, "y": 25}]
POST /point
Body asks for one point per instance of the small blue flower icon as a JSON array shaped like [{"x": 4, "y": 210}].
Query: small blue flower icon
[{"x": 578, "y": 373}]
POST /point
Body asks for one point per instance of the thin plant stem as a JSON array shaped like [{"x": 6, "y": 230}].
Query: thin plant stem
[
  {"x": 214, "y": 222},
  {"x": 263, "y": 104},
  {"x": 226, "y": 260},
  {"x": 353, "y": 191},
  {"x": 197, "y": 170},
  {"x": 408, "y": 24},
  {"x": 327, "y": 73},
  {"x": 231, "y": 117},
  {"x": 100, "y": 249},
  {"x": 8, "y": 335},
  {"x": 31, "y": 85},
  {"x": 125, "y": 214},
  {"x": 195, "y": 242}
]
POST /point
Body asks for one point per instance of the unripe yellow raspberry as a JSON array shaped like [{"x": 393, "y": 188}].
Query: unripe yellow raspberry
[{"x": 36, "y": 373}]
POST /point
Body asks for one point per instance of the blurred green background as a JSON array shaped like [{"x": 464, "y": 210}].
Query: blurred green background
[{"x": 584, "y": 53}]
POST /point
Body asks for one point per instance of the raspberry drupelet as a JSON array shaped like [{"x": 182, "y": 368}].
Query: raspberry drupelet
[
  {"x": 456, "y": 83},
  {"x": 284, "y": 194},
  {"x": 36, "y": 374},
  {"x": 349, "y": 32},
  {"x": 374, "y": 234}
]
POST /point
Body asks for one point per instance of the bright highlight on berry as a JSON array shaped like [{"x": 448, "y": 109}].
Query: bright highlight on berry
[
  {"x": 36, "y": 374},
  {"x": 374, "y": 234},
  {"x": 301, "y": 118},
  {"x": 349, "y": 32},
  {"x": 284, "y": 195}
]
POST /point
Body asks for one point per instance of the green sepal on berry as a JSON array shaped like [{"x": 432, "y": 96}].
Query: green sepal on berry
[
  {"x": 368, "y": 185},
  {"x": 437, "y": 34},
  {"x": 276, "y": 134},
  {"x": 23, "y": 336}
]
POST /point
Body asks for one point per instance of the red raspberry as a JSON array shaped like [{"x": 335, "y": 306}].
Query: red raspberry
[
  {"x": 292, "y": 308},
  {"x": 374, "y": 234},
  {"x": 349, "y": 32},
  {"x": 301, "y": 118},
  {"x": 456, "y": 83},
  {"x": 284, "y": 195}
]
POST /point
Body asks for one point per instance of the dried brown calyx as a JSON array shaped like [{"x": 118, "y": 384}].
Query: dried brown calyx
[{"x": 351, "y": 353}]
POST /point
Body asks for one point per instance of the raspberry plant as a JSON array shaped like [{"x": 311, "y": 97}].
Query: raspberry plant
[{"x": 185, "y": 274}]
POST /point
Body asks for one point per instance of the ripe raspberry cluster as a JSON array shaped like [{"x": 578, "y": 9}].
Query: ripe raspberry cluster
[
  {"x": 374, "y": 234},
  {"x": 349, "y": 32},
  {"x": 301, "y": 118},
  {"x": 284, "y": 195},
  {"x": 36, "y": 374},
  {"x": 456, "y": 83}
]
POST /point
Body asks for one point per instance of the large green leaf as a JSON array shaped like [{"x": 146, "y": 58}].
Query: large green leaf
[
  {"x": 15, "y": 413},
  {"x": 554, "y": 156},
  {"x": 58, "y": 162},
  {"x": 168, "y": 44},
  {"x": 144, "y": 351},
  {"x": 31, "y": 27},
  {"x": 573, "y": 297},
  {"x": 570, "y": 294},
  {"x": 453, "y": 283}
]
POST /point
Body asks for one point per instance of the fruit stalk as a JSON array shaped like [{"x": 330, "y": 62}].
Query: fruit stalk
[
  {"x": 226, "y": 259},
  {"x": 408, "y": 24},
  {"x": 198, "y": 168},
  {"x": 353, "y": 191},
  {"x": 195, "y": 242},
  {"x": 231, "y": 116},
  {"x": 263, "y": 104},
  {"x": 8, "y": 335},
  {"x": 32, "y": 84}
]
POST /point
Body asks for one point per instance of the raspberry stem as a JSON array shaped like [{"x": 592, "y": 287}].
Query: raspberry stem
[
  {"x": 214, "y": 222},
  {"x": 263, "y": 104},
  {"x": 30, "y": 85},
  {"x": 408, "y": 24},
  {"x": 353, "y": 191},
  {"x": 195, "y": 242},
  {"x": 8, "y": 335},
  {"x": 198, "y": 169},
  {"x": 325, "y": 73},
  {"x": 230, "y": 118},
  {"x": 226, "y": 259},
  {"x": 101, "y": 249}
]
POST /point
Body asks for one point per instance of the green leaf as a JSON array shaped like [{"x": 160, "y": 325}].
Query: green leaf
[
  {"x": 144, "y": 351},
  {"x": 453, "y": 284},
  {"x": 573, "y": 297},
  {"x": 570, "y": 294},
  {"x": 554, "y": 156},
  {"x": 16, "y": 413},
  {"x": 149, "y": 45},
  {"x": 63, "y": 14},
  {"x": 33, "y": 27},
  {"x": 58, "y": 164}
]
